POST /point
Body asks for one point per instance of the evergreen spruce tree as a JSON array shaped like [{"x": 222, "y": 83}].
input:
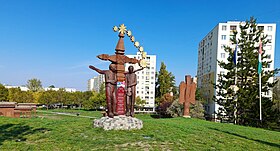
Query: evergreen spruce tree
[
  {"x": 246, "y": 70},
  {"x": 165, "y": 83}
]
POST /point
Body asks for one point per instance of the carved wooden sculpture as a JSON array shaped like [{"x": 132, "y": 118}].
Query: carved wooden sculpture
[
  {"x": 110, "y": 85},
  {"x": 118, "y": 61},
  {"x": 187, "y": 94},
  {"x": 131, "y": 82}
]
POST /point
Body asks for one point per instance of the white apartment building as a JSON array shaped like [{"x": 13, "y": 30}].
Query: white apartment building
[
  {"x": 22, "y": 88},
  {"x": 95, "y": 82},
  {"x": 56, "y": 89},
  {"x": 146, "y": 80},
  {"x": 211, "y": 49}
]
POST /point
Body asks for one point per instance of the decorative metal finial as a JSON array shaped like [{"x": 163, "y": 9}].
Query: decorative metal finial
[{"x": 122, "y": 30}]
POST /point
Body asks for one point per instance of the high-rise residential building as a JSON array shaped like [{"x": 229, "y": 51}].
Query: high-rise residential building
[
  {"x": 95, "y": 82},
  {"x": 211, "y": 49},
  {"x": 146, "y": 80}
]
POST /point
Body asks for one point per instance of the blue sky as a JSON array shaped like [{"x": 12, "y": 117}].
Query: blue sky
[{"x": 56, "y": 40}]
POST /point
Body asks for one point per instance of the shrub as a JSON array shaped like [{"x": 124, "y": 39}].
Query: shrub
[
  {"x": 197, "y": 110},
  {"x": 175, "y": 109}
]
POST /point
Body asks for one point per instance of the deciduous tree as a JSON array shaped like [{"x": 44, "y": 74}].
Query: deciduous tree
[
  {"x": 34, "y": 85},
  {"x": 4, "y": 93}
]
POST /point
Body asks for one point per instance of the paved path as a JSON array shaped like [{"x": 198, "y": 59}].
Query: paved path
[{"x": 67, "y": 114}]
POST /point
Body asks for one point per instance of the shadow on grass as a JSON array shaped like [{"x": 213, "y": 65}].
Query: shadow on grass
[
  {"x": 160, "y": 116},
  {"x": 17, "y": 132},
  {"x": 242, "y": 136}
]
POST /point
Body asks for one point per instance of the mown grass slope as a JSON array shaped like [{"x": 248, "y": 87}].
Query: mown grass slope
[{"x": 61, "y": 132}]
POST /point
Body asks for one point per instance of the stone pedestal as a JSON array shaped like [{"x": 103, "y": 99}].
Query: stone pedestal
[{"x": 118, "y": 123}]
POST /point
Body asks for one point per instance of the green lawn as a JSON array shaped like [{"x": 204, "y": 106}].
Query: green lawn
[{"x": 60, "y": 132}]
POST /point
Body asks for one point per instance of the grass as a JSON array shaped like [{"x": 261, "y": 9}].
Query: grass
[{"x": 60, "y": 132}]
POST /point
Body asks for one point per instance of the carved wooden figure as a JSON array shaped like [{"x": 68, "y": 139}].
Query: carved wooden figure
[
  {"x": 110, "y": 85},
  {"x": 131, "y": 82},
  {"x": 187, "y": 94}
]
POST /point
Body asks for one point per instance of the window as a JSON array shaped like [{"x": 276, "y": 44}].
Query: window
[
  {"x": 269, "y": 28},
  {"x": 266, "y": 93},
  {"x": 152, "y": 77},
  {"x": 224, "y": 37},
  {"x": 224, "y": 27},
  {"x": 232, "y": 27},
  {"x": 223, "y": 46},
  {"x": 268, "y": 65},
  {"x": 269, "y": 38},
  {"x": 223, "y": 55},
  {"x": 268, "y": 47},
  {"x": 260, "y": 28},
  {"x": 268, "y": 56}
]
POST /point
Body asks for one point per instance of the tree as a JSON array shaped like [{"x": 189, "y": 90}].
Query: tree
[
  {"x": 79, "y": 98},
  {"x": 26, "y": 97},
  {"x": 139, "y": 102},
  {"x": 16, "y": 95},
  {"x": 3, "y": 93},
  {"x": 247, "y": 105},
  {"x": 92, "y": 103},
  {"x": 165, "y": 83},
  {"x": 51, "y": 86},
  {"x": 86, "y": 96},
  {"x": 36, "y": 96},
  {"x": 34, "y": 85},
  {"x": 276, "y": 96},
  {"x": 47, "y": 97}
]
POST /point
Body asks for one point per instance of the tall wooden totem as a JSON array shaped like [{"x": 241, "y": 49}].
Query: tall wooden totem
[
  {"x": 187, "y": 94},
  {"x": 119, "y": 60}
]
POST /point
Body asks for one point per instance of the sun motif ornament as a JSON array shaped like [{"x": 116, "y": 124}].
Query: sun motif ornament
[
  {"x": 143, "y": 63},
  {"x": 129, "y": 33},
  {"x": 122, "y": 30},
  {"x": 144, "y": 55},
  {"x": 115, "y": 28},
  {"x": 132, "y": 38},
  {"x": 136, "y": 44},
  {"x": 141, "y": 49}
]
